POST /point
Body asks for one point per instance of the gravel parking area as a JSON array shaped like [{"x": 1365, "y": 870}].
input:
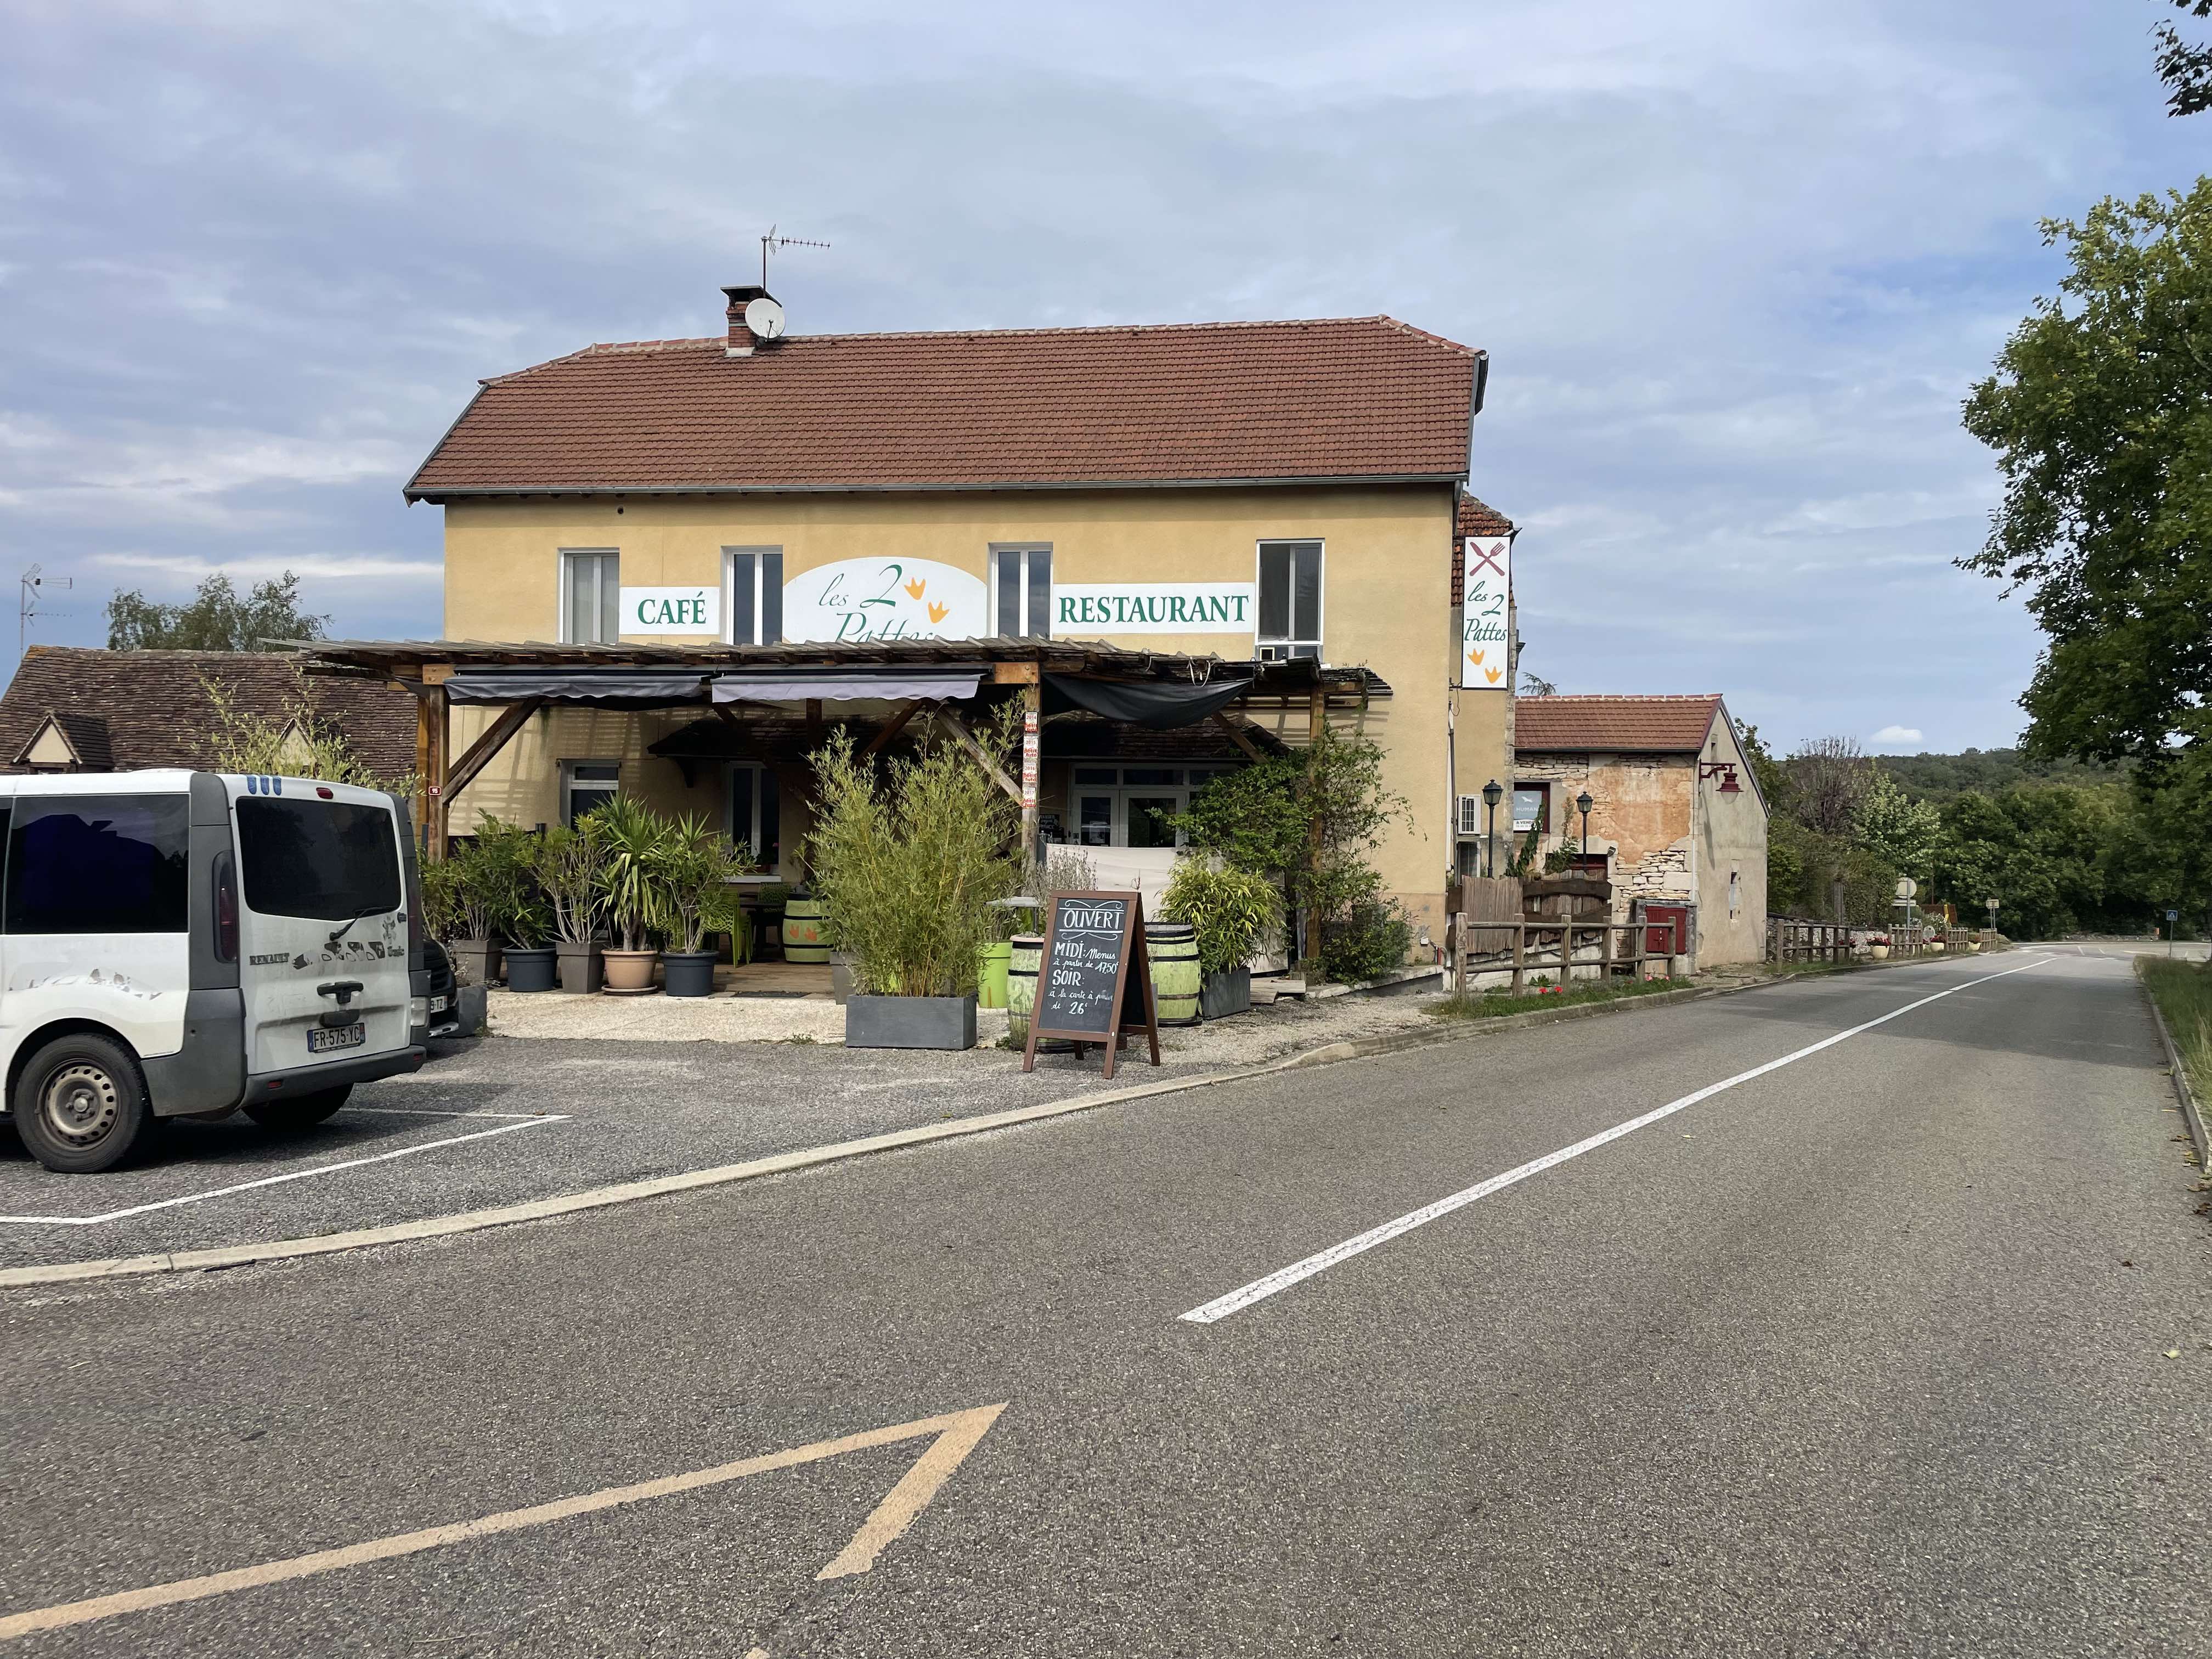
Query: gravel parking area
[{"x": 503, "y": 1120}]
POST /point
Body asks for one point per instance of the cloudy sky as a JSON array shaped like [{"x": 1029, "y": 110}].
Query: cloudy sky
[{"x": 1735, "y": 264}]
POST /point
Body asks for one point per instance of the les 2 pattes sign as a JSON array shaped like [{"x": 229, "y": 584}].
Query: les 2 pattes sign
[{"x": 1486, "y": 615}]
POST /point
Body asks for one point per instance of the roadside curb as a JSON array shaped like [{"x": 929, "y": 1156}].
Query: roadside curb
[
  {"x": 2191, "y": 1112},
  {"x": 599, "y": 1198}
]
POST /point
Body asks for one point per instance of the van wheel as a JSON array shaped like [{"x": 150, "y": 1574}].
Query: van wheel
[
  {"x": 299, "y": 1112},
  {"x": 81, "y": 1105}
]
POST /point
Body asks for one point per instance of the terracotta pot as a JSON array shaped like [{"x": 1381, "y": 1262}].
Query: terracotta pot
[{"x": 628, "y": 970}]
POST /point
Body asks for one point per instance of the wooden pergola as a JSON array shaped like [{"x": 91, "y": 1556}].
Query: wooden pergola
[{"x": 673, "y": 675}]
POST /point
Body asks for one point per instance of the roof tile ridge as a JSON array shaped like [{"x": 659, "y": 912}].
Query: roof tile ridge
[
  {"x": 1419, "y": 333},
  {"x": 532, "y": 369}
]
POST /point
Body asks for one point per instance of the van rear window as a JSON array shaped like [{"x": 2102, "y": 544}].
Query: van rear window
[
  {"x": 98, "y": 864},
  {"x": 325, "y": 859}
]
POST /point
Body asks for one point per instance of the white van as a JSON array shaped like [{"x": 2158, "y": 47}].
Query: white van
[{"x": 183, "y": 944}]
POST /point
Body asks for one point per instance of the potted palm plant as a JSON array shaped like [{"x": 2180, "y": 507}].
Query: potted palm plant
[
  {"x": 907, "y": 864},
  {"x": 696, "y": 866},
  {"x": 1230, "y": 910},
  {"x": 630, "y": 890},
  {"x": 567, "y": 869}
]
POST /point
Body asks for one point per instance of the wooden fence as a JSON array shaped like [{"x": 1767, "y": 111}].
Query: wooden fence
[{"x": 1532, "y": 943}]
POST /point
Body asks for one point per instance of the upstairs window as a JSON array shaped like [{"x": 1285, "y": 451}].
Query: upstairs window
[
  {"x": 1022, "y": 592},
  {"x": 1290, "y": 600},
  {"x": 752, "y": 594},
  {"x": 590, "y": 594}
]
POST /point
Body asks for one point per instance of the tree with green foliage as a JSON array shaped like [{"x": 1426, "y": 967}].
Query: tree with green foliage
[
  {"x": 2186, "y": 69},
  {"x": 215, "y": 618},
  {"x": 2100, "y": 414},
  {"x": 1895, "y": 828}
]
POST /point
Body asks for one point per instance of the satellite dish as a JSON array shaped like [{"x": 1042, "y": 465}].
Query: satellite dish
[{"x": 765, "y": 318}]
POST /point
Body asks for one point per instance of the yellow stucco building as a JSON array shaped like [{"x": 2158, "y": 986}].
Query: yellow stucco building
[{"x": 1229, "y": 494}]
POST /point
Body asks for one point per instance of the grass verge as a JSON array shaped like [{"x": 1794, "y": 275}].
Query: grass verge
[
  {"x": 2183, "y": 991},
  {"x": 1493, "y": 1005}
]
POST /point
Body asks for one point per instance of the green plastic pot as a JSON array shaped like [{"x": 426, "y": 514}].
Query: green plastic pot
[{"x": 991, "y": 974}]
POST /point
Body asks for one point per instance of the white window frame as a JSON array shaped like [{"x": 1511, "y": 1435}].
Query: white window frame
[
  {"x": 1267, "y": 650},
  {"x": 568, "y": 556},
  {"x": 760, "y": 556},
  {"x": 593, "y": 785},
  {"x": 1121, "y": 790},
  {"x": 746, "y": 837},
  {"x": 1026, "y": 550}
]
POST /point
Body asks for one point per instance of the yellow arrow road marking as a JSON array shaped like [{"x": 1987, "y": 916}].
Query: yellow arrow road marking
[{"x": 955, "y": 1435}]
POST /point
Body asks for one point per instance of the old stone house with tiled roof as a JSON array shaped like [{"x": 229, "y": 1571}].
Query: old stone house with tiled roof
[
  {"x": 71, "y": 709},
  {"x": 1229, "y": 493},
  {"x": 1676, "y": 816}
]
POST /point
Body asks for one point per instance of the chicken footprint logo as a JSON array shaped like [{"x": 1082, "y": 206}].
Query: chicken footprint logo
[
  {"x": 936, "y": 612},
  {"x": 1491, "y": 674},
  {"x": 1475, "y": 657},
  {"x": 914, "y": 588}
]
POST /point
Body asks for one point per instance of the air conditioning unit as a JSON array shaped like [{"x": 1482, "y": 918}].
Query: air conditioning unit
[{"x": 1469, "y": 822}]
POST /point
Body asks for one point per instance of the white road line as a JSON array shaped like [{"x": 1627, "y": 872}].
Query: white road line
[
  {"x": 1260, "y": 1289},
  {"x": 266, "y": 1181},
  {"x": 424, "y": 1111}
]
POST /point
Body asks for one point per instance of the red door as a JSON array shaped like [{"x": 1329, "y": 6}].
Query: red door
[{"x": 1660, "y": 941}]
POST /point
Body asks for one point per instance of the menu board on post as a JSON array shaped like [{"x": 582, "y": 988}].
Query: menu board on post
[{"x": 1094, "y": 982}]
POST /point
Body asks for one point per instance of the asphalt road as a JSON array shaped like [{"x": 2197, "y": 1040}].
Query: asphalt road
[{"x": 1866, "y": 1354}]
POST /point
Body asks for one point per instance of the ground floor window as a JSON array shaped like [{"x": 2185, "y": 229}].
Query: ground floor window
[
  {"x": 587, "y": 784},
  {"x": 1128, "y": 805},
  {"x": 755, "y": 814}
]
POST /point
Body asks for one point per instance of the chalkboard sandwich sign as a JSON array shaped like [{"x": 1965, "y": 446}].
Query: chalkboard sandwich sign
[{"x": 1094, "y": 980}]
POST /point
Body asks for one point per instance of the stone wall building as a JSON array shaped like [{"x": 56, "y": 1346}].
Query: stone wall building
[{"x": 1676, "y": 816}]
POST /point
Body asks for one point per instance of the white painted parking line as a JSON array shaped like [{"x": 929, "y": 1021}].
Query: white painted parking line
[
  {"x": 424, "y": 1111},
  {"x": 952, "y": 1437},
  {"x": 1283, "y": 1278},
  {"x": 266, "y": 1181}
]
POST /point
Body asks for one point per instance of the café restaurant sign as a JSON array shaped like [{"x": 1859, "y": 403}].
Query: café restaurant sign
[
  {"x": 854, "y": 600},
  {"x": 671, "y": 610},
  {"x": 1486, "y": 613},
  {"x": 1153, "y": 608}
]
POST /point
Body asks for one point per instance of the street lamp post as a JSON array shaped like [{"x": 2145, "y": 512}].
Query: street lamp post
[
  {"x": 1493, "y": 793},
  {"x": 1584, "y": 803}
]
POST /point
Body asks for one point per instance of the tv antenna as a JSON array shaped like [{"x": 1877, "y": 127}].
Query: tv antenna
[
  {"x": 773, "y": 243},
  {"x": 35, "y": 583}
]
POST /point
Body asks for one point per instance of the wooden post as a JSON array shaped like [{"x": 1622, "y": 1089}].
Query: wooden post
[
  {"x": 1520, "y": 958},
  {"x": 1605, "y": 952},
  {"x": 1032, "y": 714},
  {"x": 1316, "y": 721},
  {"x": 433, "y": 748}
]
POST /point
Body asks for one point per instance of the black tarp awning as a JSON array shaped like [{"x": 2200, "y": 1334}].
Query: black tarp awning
[{"x": 1162, "y": 705}]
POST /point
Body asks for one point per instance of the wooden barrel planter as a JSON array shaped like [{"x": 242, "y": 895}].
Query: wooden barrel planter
[
  {"x": 1172, "y": 947},
  {"x": 802, "y": 929}
]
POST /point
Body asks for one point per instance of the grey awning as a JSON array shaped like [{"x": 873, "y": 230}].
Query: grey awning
[
  {"x": 610, "y": 687},
  {"x": 894, "y": 684}
]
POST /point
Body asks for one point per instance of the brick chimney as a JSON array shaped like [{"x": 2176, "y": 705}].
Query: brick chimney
[{"x": 742, "y": 338}]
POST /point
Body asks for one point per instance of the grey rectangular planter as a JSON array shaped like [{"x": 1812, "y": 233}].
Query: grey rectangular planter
[
  {"x": 579, "y": 967},
  {"x": 1220, "y": 995},
  {"x": 910, "y": 1022}
]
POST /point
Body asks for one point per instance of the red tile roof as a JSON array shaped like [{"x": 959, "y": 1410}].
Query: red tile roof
[
  {"x": 127, "y": 711},
  {"x": 1581, "y": 725},
  {"x": 1475, "y": 518},
  {"x": 1363, "y": 397}
]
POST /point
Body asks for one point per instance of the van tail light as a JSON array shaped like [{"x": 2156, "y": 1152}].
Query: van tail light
[{"x": 226, "y": 909}]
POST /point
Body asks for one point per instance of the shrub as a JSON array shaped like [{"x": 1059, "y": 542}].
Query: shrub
[
  {"x": 695, "y": 866},
  {"x": 495, "y": 892},
  {"x": 566, "y": 863},
  {"x": 1229, "y": 908},
  {"x": 1367, "y": 940},
  {"x": 442, "y": 917},
  {"x": 906, "y": 861}
]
